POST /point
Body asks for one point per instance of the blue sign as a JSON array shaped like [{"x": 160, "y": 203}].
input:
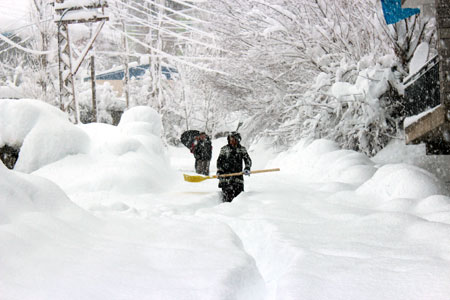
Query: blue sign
[{"x": 393, "y": 11}]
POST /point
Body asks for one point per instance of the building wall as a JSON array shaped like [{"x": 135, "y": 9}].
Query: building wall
[
  {"x": 426, "y": 6},
  {"x": 443, "y": 23},
  {"x": 117, "y": 85}
]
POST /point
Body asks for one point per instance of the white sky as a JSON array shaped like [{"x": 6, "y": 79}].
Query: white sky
[
  {"x": 14, "y": 14},
  {"x": 107, "y": 215}
]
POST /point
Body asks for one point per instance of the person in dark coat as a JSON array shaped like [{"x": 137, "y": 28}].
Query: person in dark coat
[
  {"x": 230, "y": 160},
  {"x": 202, "y": 150}
]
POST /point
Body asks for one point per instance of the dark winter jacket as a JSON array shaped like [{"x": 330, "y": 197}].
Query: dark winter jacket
[
  {"x": 230, "y": 161},
  {"x": 203, "y": 149}
]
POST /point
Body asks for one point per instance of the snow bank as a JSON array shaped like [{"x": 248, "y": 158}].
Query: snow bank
[
  {"x": 401, "y": 181},
  {"x": 42, "y": 132},
  {"x": 397, "y": 152},
  {"x": 23, "y": 193},
  {"x": 143, "y": 116},
  {"x": 330, "y": 225},
  {"x": 261, "y": 152},
  {"x": 128, "y": 159},
  {"x": 10, "y": 92},
  {"x": 144, "y": 124},
  {"x": 314, "y": 237},
  {"x": 52, "y": 249},
  {"x": 323, "y": 160}
]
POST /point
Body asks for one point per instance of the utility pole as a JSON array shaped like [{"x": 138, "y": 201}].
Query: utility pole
[
  {"x": 69, "y": 12},
  {"x": 126, "y": 75},
  {"x": 94, "y": 93}
]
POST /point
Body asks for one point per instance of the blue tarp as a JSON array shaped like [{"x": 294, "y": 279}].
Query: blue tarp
[{"x": 393, "y": 11}]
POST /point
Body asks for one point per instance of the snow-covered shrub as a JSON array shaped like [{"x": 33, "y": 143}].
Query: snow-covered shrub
[
  {"x": 107, "y": 103},
  {"x": 145, "y": 115},
  {"x": 42, "y": 132},
  {"x": 144, "y": 124},
  {"x": 128, "y": 158},
  {"x": 364, "y": 117},
  {"x": 324, "y": 161},
  {"x": 401, "y": 181},
  {"x": 287, "y": 60}
]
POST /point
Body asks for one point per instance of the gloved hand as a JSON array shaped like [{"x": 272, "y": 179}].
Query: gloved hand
[{"x": 247, "y": 172}]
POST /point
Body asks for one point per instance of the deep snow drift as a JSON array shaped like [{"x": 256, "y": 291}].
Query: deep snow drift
[{"x": 101, "y": 212}]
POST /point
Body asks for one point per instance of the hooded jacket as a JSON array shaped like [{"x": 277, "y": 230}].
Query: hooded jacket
[
  {"x": 202, "y": 150},
  {"x": 231, "y": 160}
]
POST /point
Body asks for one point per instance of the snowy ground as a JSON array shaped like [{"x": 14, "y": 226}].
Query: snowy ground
[{"x": 106, "y": 215}]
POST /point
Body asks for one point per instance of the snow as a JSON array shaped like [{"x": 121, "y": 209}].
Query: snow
[
  {"x": 31, "y": 51},
  {"x": 13, "y": 14},
  {"x": 343, "y": 89},
  {"x": 274, "y": 27},
  {"x": 53, "y": 254},
  {"x": 79, "y": 3},
  {"x": 42, "y": 132},
  {"x": 10, "y": 92},
  {"x": 144, "y": 115},
  {"x": 120, "y": 159},
  {"x": 401, "y": 181},
  {"x": 115, "y": 220},
  {"x": 323, "y": 161},
  {"x": 396, "y": 152},
  {"x": 419, "y": 58},
  {"x": 80, "y": 16},
  {"x": 413, "y": 119},
  {"x": 372, "y": 83}
]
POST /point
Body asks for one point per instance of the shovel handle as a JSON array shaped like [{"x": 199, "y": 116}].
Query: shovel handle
[{"x": 242, "y": 173}]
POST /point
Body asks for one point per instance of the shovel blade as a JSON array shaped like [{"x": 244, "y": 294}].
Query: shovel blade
[{"x": 195, "y": 178}]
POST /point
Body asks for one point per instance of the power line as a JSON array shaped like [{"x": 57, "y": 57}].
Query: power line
[
  {"x": 31, "y": 51},
  {"x": 28, "y": 25}
]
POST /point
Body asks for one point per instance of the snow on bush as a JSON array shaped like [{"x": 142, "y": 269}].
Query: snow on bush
[
  {"x": 362, "y": 120},
  {"x": 129, "y": 158},
  {"x": 144, "y": 115},
  {"x": 323, "y": 160},
  {"x": 42, "y": 132},
  {"x": 144, "y": 124},
  {"x": 401, "y": 181},
  {"x": 107, "y": 102}
]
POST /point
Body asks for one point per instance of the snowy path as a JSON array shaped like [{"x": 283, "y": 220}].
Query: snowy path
[
  {"x": 324, "y": 241},
  {"x": 309, "y": 241},
  {"x": 321, "y": 249}
]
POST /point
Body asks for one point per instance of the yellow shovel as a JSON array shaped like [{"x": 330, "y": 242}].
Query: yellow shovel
[{"x": 195, "y": 178}]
